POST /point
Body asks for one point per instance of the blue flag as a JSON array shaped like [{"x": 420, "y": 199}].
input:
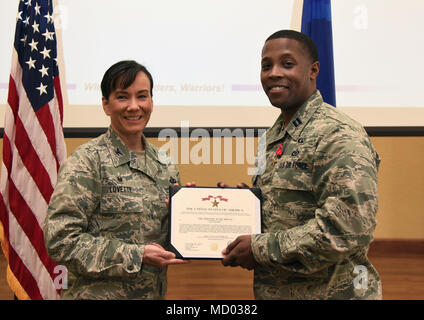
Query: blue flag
[{"x": 316, "y": 23}]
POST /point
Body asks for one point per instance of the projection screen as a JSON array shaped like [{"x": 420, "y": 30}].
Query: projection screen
[{"x": 205, "y": 57}]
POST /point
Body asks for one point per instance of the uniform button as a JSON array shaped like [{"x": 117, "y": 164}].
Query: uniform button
[
  {"x": 300, "y": 140},
  {"x": 295, "y": 153}
]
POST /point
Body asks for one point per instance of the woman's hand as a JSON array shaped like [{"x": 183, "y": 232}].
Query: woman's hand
[
  {"x": 188, "y": 184},
  {"x": 155, "y": 255}
]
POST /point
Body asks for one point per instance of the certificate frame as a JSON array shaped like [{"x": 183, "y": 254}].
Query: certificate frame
[{"x": 204, "y": 220}]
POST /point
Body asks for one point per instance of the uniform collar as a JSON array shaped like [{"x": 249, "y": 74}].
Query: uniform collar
[
  {"x": 298, "y": 122},
  {"x": 121, "y": 154}
]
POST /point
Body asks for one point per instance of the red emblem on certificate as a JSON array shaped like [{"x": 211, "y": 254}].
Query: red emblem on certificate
[{"x": 215, "y": 200}]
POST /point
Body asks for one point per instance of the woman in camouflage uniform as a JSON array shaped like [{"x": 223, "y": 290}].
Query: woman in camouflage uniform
[{"x": 107, "y": 220}]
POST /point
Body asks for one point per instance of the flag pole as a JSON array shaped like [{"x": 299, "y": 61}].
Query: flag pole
[{"x": 296, "y": 17}]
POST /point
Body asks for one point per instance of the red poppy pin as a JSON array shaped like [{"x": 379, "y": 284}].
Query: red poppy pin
[{"x": 279, "y": 151}]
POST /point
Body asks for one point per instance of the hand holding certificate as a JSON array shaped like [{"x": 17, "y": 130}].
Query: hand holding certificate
[
  {"x": 239, "y": 253},
  {"x": 203, "y": 220}
]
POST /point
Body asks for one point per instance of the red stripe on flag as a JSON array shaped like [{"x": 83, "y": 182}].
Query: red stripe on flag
[
  {"x": 25, "y": 277},
  {"x": 7, "y": 153},
  {"x": 29, "y": 225},
  {"x": 58, "y": 93},
  {"x": 4, "y": 219},
  {"x": 13, "y": 97},
  {"x": 46, "y": 121},
  {"x": 16, "y": 265},
  {"x": 32, "y": 162},
  {"x": 7, "y": 160}
]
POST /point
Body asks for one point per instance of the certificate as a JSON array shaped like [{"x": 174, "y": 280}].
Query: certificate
[{"x": 203, "y": 220}]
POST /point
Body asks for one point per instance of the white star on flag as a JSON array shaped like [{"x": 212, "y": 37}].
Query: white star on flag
[
  {"x": 48, "y": 35},
  {"x": 31, "y": 63},
  {"x": 24, "y": 39},
  {"x": 45, "y": 53},
  {"x": 49, "y": 17},
  {"x": 42, "y": 88},
  {"x": 33, "y": 45},
  {"x": 43, "y": 71},
  {"x": 37, "y": 9},
  {"x": 35, "y": 26}
]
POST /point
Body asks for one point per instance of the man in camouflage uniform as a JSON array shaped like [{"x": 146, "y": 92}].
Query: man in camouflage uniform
[
  {"x": 319, "y": 186},
  {"x": 107, "y": 220}
]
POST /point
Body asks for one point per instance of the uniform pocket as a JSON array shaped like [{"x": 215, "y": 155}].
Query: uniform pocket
[
  {"x": 293, "y": 174},
  {"x": 292, "y": 200}
]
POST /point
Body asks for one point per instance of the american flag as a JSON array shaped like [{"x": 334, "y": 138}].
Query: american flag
[{"x": 33, "y": 149}]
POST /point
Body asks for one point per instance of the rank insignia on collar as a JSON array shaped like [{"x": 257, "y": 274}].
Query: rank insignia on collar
[
  {"x": 118, "y": 152},
  {"x": 297, "y": 122},
  {"x": 279, "y": 151}
]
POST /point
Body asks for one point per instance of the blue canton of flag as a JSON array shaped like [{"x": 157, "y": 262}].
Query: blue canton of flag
[{"x": 35, "y": 43}]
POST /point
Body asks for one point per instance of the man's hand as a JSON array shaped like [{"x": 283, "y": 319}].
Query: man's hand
[
  {"x": 155, "y": 255},
  {"x": 224, "y": 185},
  {"x": 239, "y": 253}
]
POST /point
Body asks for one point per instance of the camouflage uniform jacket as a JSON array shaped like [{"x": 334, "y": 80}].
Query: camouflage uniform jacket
[
  {"x": 319, "y": 208},
  {"x": 106, "y": 206}
]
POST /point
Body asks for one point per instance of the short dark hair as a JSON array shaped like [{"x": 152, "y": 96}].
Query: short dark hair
[
  {"x": 307, "y": 42},
  {"x": 121, "y": 75}
]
